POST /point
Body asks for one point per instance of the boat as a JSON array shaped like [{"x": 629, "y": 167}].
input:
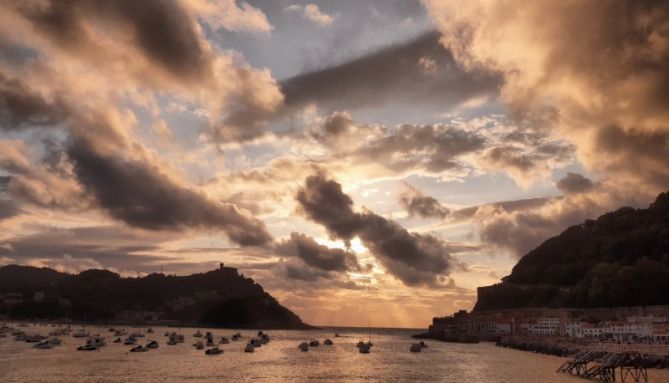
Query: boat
[
  {"x": 149, "y": 331},
  {"x": 199, "y": 345},
  {"x": 130, "y": 341},
  {"x": 87, "y": 347},
  {"x": 336, "y": 335},
  {"x": 264, "y": 339},
  {"x": 43, "y": 346},
  {"x": 167, "y": 333},
  {"x": 198, "y": 334},
  {"x": 249, "y": 347},
  {"x": 304, "y": 347},
  {"x": 137, "y": 335},
  {"x": 328, "y": 342},
  {"x": 139, "y": 348},
  {"x": 55, "y": 341},
  {"x": 415, "y": 347},
  {"x": 152, "y": 344},
  {"x": 255, "y": 343},
  {"x": 363, "y": 347},
  {"x": 118, "y": 340},
  {"x": 80, "y": 334},
  {"x": 214, "y": 351},
  {"x": 236, "y": 337},
  {"x": 422, "y": 344},
  {"x": 96, "y": 340},
  {"x": 224, "y": 340}
]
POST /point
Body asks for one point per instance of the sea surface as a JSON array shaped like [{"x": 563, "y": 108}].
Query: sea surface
[{"x": 280, "y": 360}]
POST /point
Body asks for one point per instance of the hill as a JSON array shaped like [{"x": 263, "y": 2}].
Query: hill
[
  {"x": 220, "y": 298},
  {"x": 619, "y": 259}
]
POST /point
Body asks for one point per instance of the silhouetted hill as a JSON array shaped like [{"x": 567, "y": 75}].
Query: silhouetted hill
[
  {"x": 620, "y": 259},
  {"x": 15, "y": 277},
  {"x": 220, "y": 298}
]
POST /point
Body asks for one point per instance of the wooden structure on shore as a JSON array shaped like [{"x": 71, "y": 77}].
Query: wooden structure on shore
[{"x": 602, "y": 366}]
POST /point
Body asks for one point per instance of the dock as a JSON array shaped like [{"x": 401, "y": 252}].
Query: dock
[{"x": 602, "y": 366}]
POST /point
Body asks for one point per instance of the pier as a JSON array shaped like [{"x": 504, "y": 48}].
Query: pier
[{"x": 602, "y": 366}]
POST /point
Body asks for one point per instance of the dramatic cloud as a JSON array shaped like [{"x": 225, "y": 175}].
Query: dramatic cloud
[
  {"x": 145, "y": 50},
  {"x": 574, "y": 183},
  {"x": 393, "y": 74},
  {"x": 433, "y": 149},
  {"x": 312, "y": 12},
  {"x": 229, "y": 15},
  {"x": 316, "y": 255},
  {"x": 139, "y": 195},
  {"x": 417, "y": 204},
  {"x": 604, "y": 88},
  {"x": 21, "y": 107},
  {"x": 522, "y": 230},
  {"x": 413, "y": 258}
]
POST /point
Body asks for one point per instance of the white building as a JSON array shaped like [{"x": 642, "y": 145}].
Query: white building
[{"x": 547, "y": 326}]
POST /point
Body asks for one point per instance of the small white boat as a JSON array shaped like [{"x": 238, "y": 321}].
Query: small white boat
[{"x": 214, "y": 351}]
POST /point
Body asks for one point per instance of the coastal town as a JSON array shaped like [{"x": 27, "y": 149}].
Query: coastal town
[{"x": 618, "y": 325}]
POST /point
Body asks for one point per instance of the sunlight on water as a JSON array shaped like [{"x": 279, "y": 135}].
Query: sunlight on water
[{"x": 280, "y": 360}]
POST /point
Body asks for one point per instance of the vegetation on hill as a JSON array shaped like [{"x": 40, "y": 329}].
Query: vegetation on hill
[
  {"x": 217, "y": 298},
  {"x": 620, "y": 259}
]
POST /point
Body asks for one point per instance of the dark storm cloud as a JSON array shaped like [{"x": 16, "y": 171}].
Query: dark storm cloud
[
  {"x": 417, "y": 70},
  {"x": 22, "y": 107},
  {"x": 413, "y": 258},
  {"x": 141, "y": 196},
  {"x": 433, "y": 148},
  {"x": 414, "y": 202},
  {"x": 316, "y": 255},
  {"x": 574, "y": 183},
  {"x": 162, "y": 30}
]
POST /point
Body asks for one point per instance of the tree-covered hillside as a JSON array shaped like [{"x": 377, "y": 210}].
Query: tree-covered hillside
[{"x": 620, "y": 259}]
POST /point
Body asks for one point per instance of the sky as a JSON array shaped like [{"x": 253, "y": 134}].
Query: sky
[{"x": 364, "y": 161}]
